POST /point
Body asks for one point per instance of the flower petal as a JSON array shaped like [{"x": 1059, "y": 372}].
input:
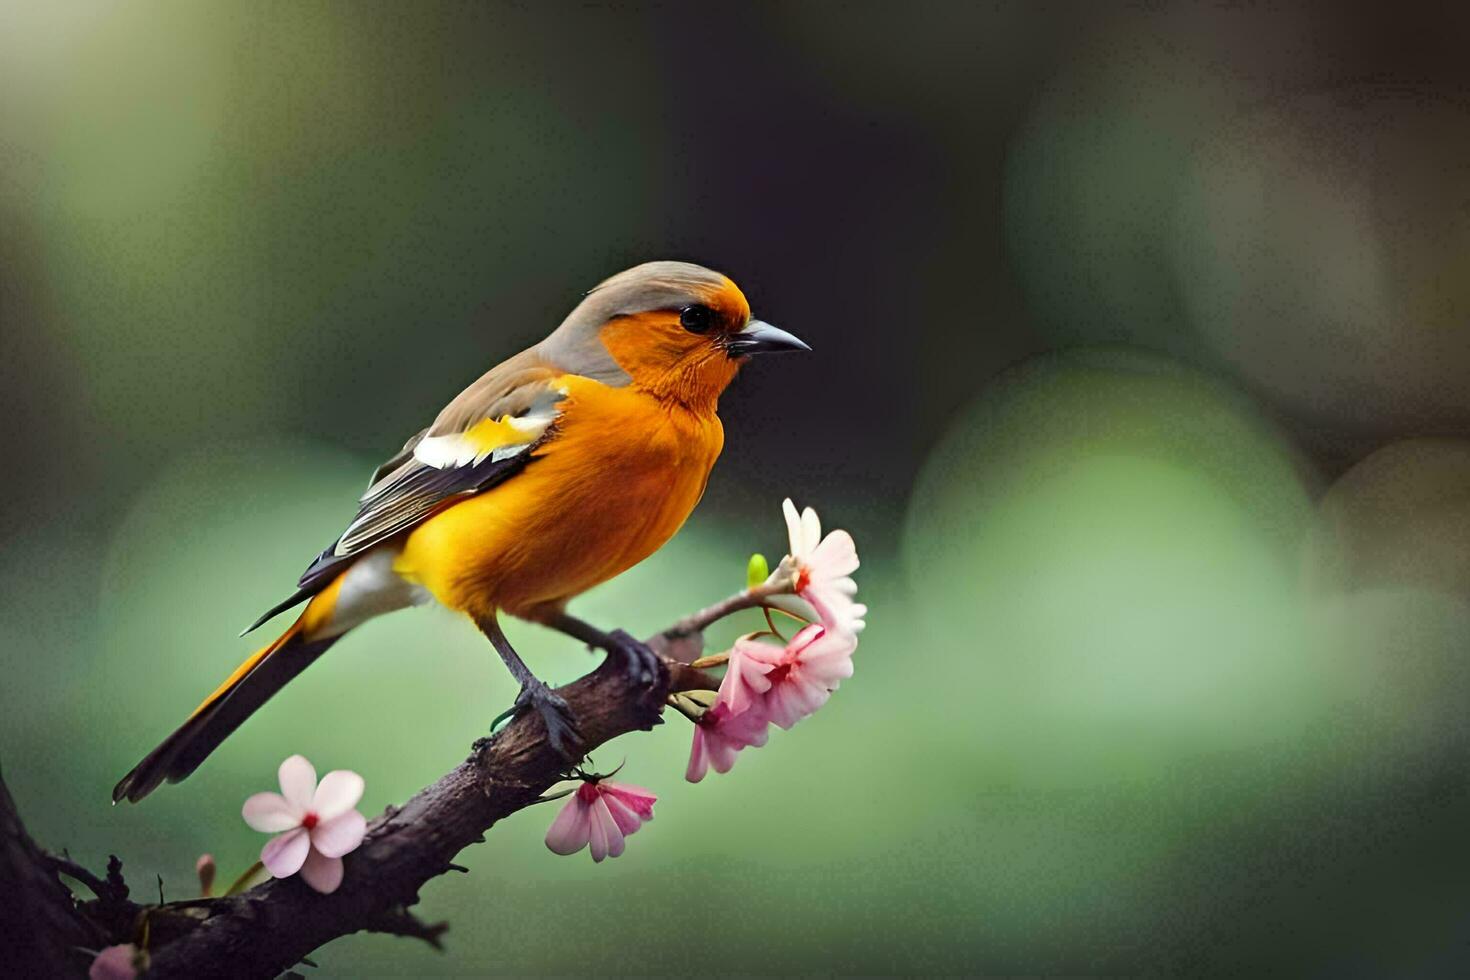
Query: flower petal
[
  {"x": 270, "y": 813},
  {"x": 811, "y": 532},
  {"x": 835, "y": 610},
  {"x": 793, "y": 526},
  {"x": 795, "y": 605},
  {"x": 606, "y": 839},
  {"x": 827, "y": 674},
  {"x": 780, "y": 709},
  {"x": 698, "y": 757},
  {"x": 298, "y": 782},
  {"x": 596, "y": 833},
  {"x": 322, "y": 873},
  {"x": 284, "y": 854},
  {"x": 722, "y": 753},
  {"x": 804, "y": 638},
  {"x": 339, "y": 792},
  {"x": 794, "y": 700},
  {"x": 721, "y": 735},
  {"x": 836, "y": 556},
  {"x": 569, "y": 832},
  {"x": 828, "y": 660},
  {"x": 745, "y": 674},
  {"x": 114, "y": 963},
  {"x": 622, "y": 814},
  {"x": 640, "y": 800},
  {"x": 617, "y": 841},
  {"x": 754, "y": 730},
  {"x": 339, "y": 835}
]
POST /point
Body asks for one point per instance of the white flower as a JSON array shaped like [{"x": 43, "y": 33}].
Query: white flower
[
  {"x": 315, "y": 824},
  {"x": 819, "y": 571}
]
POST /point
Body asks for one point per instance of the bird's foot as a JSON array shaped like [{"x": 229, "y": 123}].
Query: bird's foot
[
  {"x": 561, "y": 726},
  {"x": 639, "y": 661}
]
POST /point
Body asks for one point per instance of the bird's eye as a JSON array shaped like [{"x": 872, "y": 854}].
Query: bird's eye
[{"x": 696, "y": 319}]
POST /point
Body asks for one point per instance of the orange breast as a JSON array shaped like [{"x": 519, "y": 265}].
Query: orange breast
[{"x": 620, "y": 478}]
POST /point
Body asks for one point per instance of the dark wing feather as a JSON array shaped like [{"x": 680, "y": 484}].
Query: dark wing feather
[
  {"x": 405, "y": 491},
  {"x": 412, "y": 496},
  {"x": 398, "y": 459},
  {"x": 416, "y": 495}
]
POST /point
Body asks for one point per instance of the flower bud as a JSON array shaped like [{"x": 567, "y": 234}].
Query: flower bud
[
  {"x": 756, "y": 571},
  {"x": 205, "y": 869}
]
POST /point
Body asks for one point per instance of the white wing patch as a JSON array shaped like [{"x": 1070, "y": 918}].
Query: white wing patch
[
  {"x": 489, "y": 439},
  {"x": 493, "y": 439}
]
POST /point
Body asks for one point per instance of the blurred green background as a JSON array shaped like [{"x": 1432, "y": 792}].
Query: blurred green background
[{"x": 1141, "y": 379}]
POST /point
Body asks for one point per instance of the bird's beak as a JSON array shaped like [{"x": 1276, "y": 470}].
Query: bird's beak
[{"x": 762, "y": 338}]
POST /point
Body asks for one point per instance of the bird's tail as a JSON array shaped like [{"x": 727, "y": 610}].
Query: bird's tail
[{"x": 250, "y": 686}]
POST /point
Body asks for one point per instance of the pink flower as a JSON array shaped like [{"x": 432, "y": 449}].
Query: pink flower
[
  {"x": 600, "y": 813},
  {"x": 320, "y": 823},
  {"x": 783, "y": 685},
  {"x": 114, "y": 963},
  {"x": 745, "y": 683},
  {"x": 819, "y": 571},
  {"x": 720, "y": 734}
]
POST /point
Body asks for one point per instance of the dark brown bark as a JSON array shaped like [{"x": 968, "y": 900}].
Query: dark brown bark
[
  {"x": 268, "y": 929},
  {"x": 45, "y": 934}
]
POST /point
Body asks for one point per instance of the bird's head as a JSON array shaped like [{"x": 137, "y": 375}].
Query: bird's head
[{"x": 677, "y": 330}]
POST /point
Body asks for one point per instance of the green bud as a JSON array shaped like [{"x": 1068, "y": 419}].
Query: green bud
[{"x": 757, "y": 571}]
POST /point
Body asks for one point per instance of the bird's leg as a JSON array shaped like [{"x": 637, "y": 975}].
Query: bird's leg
[
  {"x": 639, "y": 661},
  {"x": 561, "y": 727}
]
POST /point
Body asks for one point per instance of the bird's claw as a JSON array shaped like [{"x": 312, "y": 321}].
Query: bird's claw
[
  {"x": 640, "y": 662},
  {"x": 561, "y": 725}
]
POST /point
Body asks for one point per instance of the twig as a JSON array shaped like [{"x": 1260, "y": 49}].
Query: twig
[
  {"x": 702, "y": 620},
  {"x": 401, "y": 922},
  {"x": 71, "y": 869}
]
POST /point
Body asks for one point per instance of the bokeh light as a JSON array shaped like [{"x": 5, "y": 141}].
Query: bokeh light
[
  {"x": 1318, "y": 249},
  {"x": 1139, "y": 377},
  {"x": 1095, "y": 528}
]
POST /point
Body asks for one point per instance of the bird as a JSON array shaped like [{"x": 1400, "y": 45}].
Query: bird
[{"x": 554, "y": 471}]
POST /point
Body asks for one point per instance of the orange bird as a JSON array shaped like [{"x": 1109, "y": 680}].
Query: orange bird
[{"x": 556, "y": 470}]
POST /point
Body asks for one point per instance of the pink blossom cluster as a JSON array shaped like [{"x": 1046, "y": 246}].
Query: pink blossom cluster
[
  {"x": 764, "y": 685},
  {"x": 768, "y": 685}
]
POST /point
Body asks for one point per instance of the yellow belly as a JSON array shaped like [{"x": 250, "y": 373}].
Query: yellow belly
[{"x": 619, "y": 479}]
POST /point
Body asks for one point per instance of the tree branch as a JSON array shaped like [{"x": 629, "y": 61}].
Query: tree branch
[
  {"x": 695, "y": 624},
  {"x": 402, "y": 922},
  {"x": 267, "y": 929},
  {"x": 46, "y": 931}
]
